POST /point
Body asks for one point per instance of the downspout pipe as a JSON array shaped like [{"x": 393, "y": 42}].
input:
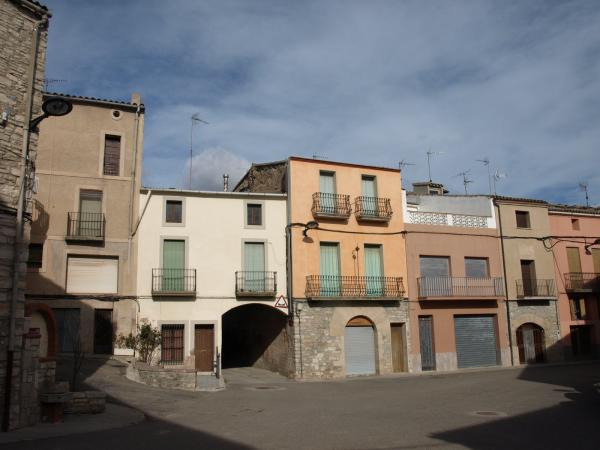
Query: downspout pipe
[
  {"x": 31, "y": 73},
  {"x": 508, "y": 324}
]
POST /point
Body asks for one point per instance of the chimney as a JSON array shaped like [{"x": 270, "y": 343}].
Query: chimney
[
  {"x": 136, "y": 98},
  {"x": 225, "y": 182}
]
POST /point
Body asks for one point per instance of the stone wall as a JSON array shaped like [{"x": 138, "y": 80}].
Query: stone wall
[
  {"x": 319, "y": 335},
  {"x": 17, "y": 22},
  {"x": 542, "y": 313},
  {"x": 173, "y": 378},
  {"x": 86, "y": 402}
]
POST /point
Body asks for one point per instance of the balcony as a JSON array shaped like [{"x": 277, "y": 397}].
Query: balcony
[
  {"x": 337, "y": 287},
  {"x": 535, "y": 288},
  {"x": 83, "y": 226},
  {"x": 255, "y": 284},
  {"x": 583, "y": 282},
  {"x": 331, "y": 206},
  {"x": 459, "y": 287},
  {"x": 373, "y": 209},
  {"x": 173, "y": 282}
]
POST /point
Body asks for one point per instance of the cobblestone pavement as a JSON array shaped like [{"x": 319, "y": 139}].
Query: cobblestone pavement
[{"x": 534, "y": 407}]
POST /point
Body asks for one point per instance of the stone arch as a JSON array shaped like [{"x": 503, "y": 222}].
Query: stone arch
[
  {"x": 531, "y": 343},
  {"x": 52, "y": 329}
]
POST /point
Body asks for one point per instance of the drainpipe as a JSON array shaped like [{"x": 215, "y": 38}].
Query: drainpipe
[
  {"x": 510, "y": 343},
  {"x": 31, "y": 72}
]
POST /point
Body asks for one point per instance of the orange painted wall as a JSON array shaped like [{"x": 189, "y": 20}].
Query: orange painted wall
[
  {"x": 560, "y": 225},
  {"x": 428, "y": 240},
  {"x": 304, "y": 181}
]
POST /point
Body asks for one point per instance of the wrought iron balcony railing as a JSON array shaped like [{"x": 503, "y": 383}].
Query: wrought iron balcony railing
[
  {"x": 173, "y": 281},
  {"x": 255, "y": 284},
  {"x": 373, "y": 208},
  {"x": 535, "y": 288},
  {"x": 460, "y": 287},
  {"x": 333, "y": 206},
  {"x": 85, "y": 226},
  {"x": 582, "y": 281},
  {"x": 325, "y": 287}
]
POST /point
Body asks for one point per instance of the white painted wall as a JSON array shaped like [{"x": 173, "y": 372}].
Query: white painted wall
[{"x": 214, "y": 227}]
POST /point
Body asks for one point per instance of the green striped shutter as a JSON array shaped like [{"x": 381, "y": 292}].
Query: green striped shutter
[
  {"x": 254, "y": 266},
  {"x": 374, "y": 270},
  {"x": 173, "y": 265},
  {"x": 369, "y": 193},
  {"x": 330, "y": 269},
  {"x": 90, "y": 213},
  {"x": 327, "y": 190}
]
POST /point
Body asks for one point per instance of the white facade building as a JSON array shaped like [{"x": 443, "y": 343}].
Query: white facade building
[{"x": 212, "y": 273}]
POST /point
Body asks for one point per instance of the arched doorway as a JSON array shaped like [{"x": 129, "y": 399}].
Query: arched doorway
[
  {"x": 255, "y": 335},
  {"x": 359, "y": 346},
  {"x": 530, "y": 341}
]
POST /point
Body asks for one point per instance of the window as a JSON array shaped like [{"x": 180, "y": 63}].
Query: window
[
  {"x": 522, "y": 219},
  {"x": 254, "y": 266},
  {"x": 575, "y": 224},
  {"x": 171, "y": 349},
  {"x": 174, "y": 211},
  {"x": 573, "y": 259},
  {"x": 476, "y": 267},
  {"x": 578, "y": 308},
  {"x": 112, "y": 155},
  {"x": 90, "y": 221},
  {"x": 528, "y": 277},
  {"x": 254, "y": 214},
  {"x": 434, "y": 266},
  {"x": 36, "y": 252}
]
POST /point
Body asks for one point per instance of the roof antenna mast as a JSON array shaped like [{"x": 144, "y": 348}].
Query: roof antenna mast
[
  {"x": 486, "y": 162},
  {"x": 583, "y": 186},
  {"x": 195, "y": 120},
  {"x": 429, "y": 155},
  {"x": 465, "y": 178}
]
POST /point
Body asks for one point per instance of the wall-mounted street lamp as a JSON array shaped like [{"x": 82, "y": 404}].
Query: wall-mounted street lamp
[
  {"x": 587, "y": 246},
  {"x": 52, "y": 107}
]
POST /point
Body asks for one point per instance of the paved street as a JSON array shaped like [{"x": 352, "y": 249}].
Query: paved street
[{"x": 538, "y": 407}]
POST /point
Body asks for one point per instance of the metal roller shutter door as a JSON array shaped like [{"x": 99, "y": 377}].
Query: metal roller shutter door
[
  {"x": 359, "y": 345},
  {"x": 92, "y": 275},
  {"x": 476, "y": 344}
]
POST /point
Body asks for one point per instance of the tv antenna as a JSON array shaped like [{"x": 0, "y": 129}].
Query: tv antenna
[
  {"x": 497, "y": 177},
  {"x": 465, "y": 177},
  {"x": 429, "y": 155},
  {"x": 486, "y": 162},
  {"x": 583, "y": 186},
  {"x": 402, "y": 164},
  {"x": 48, "y": 81},
  {"x": 195, "y": 121}
]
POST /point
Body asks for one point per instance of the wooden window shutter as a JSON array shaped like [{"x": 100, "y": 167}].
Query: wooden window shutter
[
  {"x": 596, "y": 259},
  {"x": 112, "y": 155},
  {"x": 573, "y": 309},
  {"x": 573, "y": 259},
  {"x": 522, "y": 219}
]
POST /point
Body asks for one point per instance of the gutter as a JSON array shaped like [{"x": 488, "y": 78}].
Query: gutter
[
  {"x": 31, "y": 74},
  {"x": 510, "y": 343}
]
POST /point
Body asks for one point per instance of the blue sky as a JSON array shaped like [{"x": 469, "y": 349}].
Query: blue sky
[{"x": 372, "y": 82}]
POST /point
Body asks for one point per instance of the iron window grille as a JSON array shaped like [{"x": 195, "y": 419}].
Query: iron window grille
[
  {"x": 85, "y": 225},
  {"x": 171, "y": 349}
]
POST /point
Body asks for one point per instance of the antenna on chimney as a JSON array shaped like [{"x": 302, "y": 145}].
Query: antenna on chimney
[
  {"x": 225, "y": 182},
  {"x": 583, "y": 186},
  {"x": 195, "y": 120},
  {"x": 486, "y": 163},
  {"x": 465, "y": 178}
]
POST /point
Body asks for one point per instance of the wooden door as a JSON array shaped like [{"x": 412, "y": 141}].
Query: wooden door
[
  {"x": 398, "y": 348},
  {"x": 529, "y": 278},
  {"x": 204, "y": 344}
]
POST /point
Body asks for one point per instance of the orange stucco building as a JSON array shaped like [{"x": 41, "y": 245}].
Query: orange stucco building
[{"x": 574, "y": 231}]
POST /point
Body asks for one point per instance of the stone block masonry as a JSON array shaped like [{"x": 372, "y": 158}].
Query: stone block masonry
[{"x": 17, "y": 22}]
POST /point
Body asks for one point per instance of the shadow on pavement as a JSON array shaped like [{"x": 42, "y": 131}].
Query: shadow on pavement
[{"x": 573, "y": 423}]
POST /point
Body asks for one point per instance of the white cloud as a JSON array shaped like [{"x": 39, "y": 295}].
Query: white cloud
[{"x": 209, "y": 167}]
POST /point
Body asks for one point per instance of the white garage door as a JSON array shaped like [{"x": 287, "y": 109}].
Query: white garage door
[
  {"x": 92, "y": 275},
  {"x": 359, "y": 344},
  {"x": 476, "y": 344}
]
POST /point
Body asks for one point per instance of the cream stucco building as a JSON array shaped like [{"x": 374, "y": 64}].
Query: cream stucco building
[{"x": 212, "y": 277}]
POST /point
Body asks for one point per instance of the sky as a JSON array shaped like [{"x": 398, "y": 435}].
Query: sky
[{"x": 365, "y": 82}]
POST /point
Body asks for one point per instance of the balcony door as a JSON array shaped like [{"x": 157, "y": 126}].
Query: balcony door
[
  {"x": 574, "y": 262},
  {"x": 435, "y": 276},
  {"x": 330, "y": 269},
  {"x": 254, "y": 266},
  {"x": 90, "y": 214},
  {"x": 529, "y": 278},
  {"x": 327, "y": 192},
  {"x": 369, "y": 192},
  {"x": 173, "y": 265},
  {"x": 374, "y": 270}
]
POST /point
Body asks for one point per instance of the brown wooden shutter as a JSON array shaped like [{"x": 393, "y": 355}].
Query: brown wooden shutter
[
  {"x": 573, "y": 259},
  {"x": 522, "y": 219},
  {"x": 596, "y": 258},
  {"x": 174, "y": 211},
  {"x": 112, "y": 155}
]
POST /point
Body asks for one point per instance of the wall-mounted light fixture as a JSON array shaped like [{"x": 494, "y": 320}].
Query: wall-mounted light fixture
[
  {"x": 587, "y": 246},
  {"x": 53, "y": 106}
]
